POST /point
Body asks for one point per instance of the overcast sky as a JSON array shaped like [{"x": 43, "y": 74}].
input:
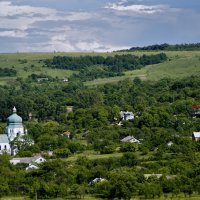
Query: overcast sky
[{"x": 96, "y": 25}]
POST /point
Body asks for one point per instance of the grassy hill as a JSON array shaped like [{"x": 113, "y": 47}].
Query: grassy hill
[{"x": 180, "y": 64}]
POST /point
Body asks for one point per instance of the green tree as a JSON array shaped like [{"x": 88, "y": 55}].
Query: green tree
[
  {"x": 62, "y": 153},
  {"x": 128, "y": 147},
  {"x": 129, "y": 159}
]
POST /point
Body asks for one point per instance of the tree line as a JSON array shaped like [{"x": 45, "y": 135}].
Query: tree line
[
  {"x": 92, "y": 67},
  {"x": 116, "y": 63},
  {"x": 167, "y": 47}
]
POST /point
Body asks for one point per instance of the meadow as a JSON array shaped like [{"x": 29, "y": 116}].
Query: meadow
[{"x": 180, "y": 64}]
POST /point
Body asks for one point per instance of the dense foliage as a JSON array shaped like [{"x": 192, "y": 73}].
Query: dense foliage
[
  {"x": 163, "y": 113},
  {"x": 168, "y": 47},
  {"x": 7, "y": 72},
  {"x": 92, "y": 67}
]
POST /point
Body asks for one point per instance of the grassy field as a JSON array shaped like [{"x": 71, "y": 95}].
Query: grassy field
[
  {"x": 31, "y": 66},
  {"x": 94, "y": 155},
  {"x": 180, "y": 64}
]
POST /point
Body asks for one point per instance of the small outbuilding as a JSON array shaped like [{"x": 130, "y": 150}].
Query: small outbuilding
[
  {"x": 196, "y": 136},
  {"x": 96, "y": 180},
  {"x": 169, "y": 144},
  {"x": 31, "y": 167},
  {"x": 28, "y": 160},
  {"x": 130, "y": 139},
  {"x": 126, "y": 115}
]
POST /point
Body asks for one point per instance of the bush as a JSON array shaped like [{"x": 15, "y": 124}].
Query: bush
[
  {"x": 128, "y": 159},
  {"x": 128, "y": 147},
  {"x": 108, "y": 149},
  {"x": 62, "y": 153}
]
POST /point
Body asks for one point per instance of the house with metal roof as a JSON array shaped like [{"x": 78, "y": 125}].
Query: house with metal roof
[
  {"x": 130, "y": 139},
  {"x": 28, "y": 160}
]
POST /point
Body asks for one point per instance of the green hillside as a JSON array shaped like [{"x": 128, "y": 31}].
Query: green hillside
[{"x": 180, "y": 64}]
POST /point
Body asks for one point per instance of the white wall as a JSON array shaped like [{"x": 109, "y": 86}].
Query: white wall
[
  {"x": 3, "y": 149},
  {"x": 13, "y": 132},
  {"x": 14, "y": 162},
  {"x": 40, "y": 160}
]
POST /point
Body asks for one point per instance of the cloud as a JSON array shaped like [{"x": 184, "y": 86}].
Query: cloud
[
  {"x": 23, "y": 17},
  {"x": 9, "y": 10},
  {"x": 68, "y": 46},
  {"x": 69, "y": 39},
  {"x": 60, "y": 25},
  {"x": 14, "y": 33},
  {"x": 137, "y": 8}
]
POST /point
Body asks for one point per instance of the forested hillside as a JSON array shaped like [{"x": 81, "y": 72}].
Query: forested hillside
[
  {"x": 168, "y": 47},
  {"x": 93, "y": 67},
  {"x": 163, "y": 113}
]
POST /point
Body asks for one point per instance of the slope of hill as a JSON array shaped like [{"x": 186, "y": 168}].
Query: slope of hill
[{"x": 180, "y": 64}]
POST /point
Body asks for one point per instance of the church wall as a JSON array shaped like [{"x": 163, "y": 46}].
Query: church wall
[
  {"x": 5, "y": 147},
  {"x": 14, "y": 132}
]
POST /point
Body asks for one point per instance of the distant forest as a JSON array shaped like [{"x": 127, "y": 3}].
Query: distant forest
[
  {"x": 92, "y": 67},
  {"x": 167, "y": 47},
  {"x": 115, "y": 63}
]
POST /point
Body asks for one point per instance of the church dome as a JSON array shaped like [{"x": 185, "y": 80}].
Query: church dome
[{"x": 14, "y": 118}]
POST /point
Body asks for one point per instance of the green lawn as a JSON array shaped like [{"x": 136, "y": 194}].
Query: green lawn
[
  {"x": 91, "y": 154},
  {"x": 94, "y": 155},
  {"x": 116, "y": 79},
  {"x": 31, "y": 66}
]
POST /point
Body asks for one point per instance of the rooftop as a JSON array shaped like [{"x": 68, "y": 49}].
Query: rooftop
[
  {"x": 14, "y": 118},
  {"x": 196, "y": 134},
  {"x": 129, "y": 138},
  {"x": 27, "y": 159}
]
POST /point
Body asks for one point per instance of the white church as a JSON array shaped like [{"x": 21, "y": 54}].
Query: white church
[{"x": 13, "y": 129}]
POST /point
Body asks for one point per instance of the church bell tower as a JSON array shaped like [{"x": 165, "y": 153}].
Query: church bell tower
[{"x": 14, "y": 127}]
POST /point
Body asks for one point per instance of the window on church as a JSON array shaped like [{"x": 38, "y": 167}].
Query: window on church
[
  {"x": 0, "y": 147},
  {"x": 5, "y": 147}
]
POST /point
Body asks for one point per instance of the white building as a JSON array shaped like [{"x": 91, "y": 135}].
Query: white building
[
  {"x": 31, "y": 167},
  {"x": 14, "y": 129},
  {"x": 196, "y": 136},
  {"x": 130, "y": 139},
  {"x": 4, "y": 144},
  {"x": 126, "y": 115},
  {"x": 28, "y": 160},
  {"x": 33, "y": 162},
  {"x": 96, "y": 180}
]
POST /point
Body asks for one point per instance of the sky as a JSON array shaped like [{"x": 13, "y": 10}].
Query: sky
[{"x": 96, "y": 25}]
